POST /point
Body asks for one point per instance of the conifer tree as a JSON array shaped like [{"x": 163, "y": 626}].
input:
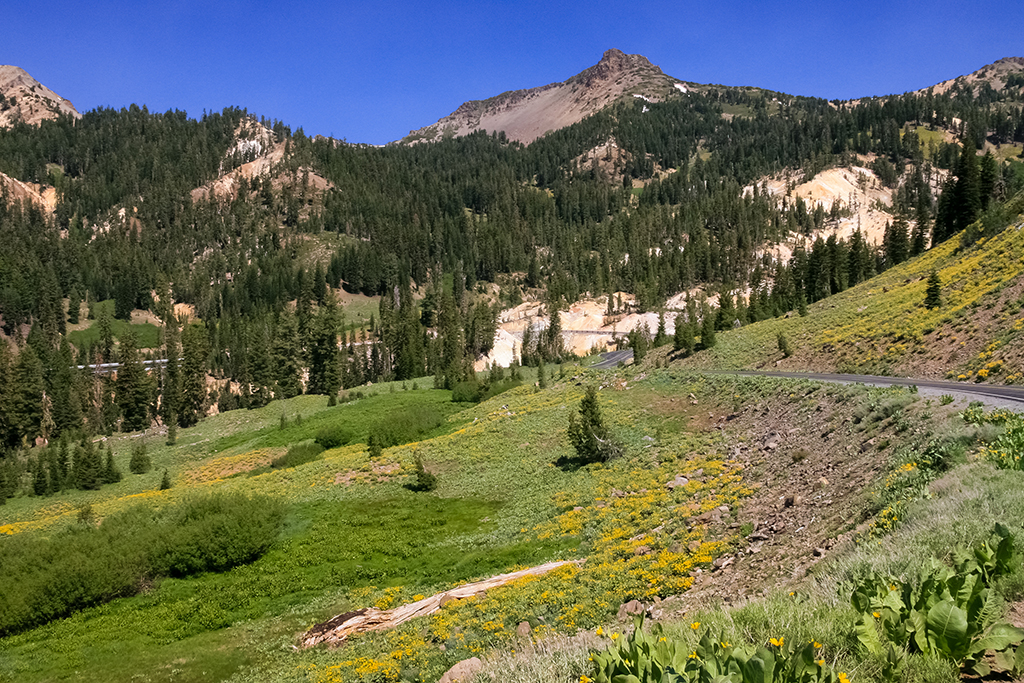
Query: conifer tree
[
  {"x": 933, "y": 292},
  {"x": 195, "y": 350},
  {"x": 26, "y": 400},
  {"x": 132, "y": 386},
  {"x": 287, "y": 355},
  {"x": 707, "y": 329},
  {"x": 587, "y": 431},
  {"x": 683, "y": 340},
  {"x": 74, "y": 305},
  {"x": 111, "y": 475}
]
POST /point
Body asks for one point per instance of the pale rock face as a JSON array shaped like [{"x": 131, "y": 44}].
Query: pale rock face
[{"x": 32, "y": 102}]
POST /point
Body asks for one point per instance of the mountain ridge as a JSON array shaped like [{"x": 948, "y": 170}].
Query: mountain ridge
[
  {"x": 526, "y": 114},
  {"x": 27, "y": 100}
]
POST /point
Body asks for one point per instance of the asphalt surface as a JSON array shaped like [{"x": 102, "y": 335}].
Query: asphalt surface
[
  {"x": 611, "y": 359},
  {"x": 996, "y": 396}
]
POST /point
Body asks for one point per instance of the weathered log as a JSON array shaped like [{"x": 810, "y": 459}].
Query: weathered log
[{"x": 336, "y": 630}]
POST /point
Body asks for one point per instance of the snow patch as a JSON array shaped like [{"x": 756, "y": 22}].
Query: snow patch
[{"x": 680, "y": 87}]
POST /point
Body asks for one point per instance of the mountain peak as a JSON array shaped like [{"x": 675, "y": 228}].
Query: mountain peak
[
  {"x": 26, "y": 99},
  {"x": 525, "y": 115}
]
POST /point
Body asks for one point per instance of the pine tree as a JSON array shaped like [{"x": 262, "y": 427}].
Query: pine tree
[
  {"x": 542, "y": 380},
  {"x": 707, "y": 329},
  {"x": 74, "y": 305},
  {"x": 660, "y": 337},
  {"x": 683, "y": 339},
  {"x": 140, "y": 462},
  {"x": 587, "y": 432},
  {"x": 195, "y": 351},
  {"x": 933, "y": 292},
  {"x": 165, "y": 481},
  {"x": 26, "y": 400},
  {"x": 373, "y": 446},
  {"x": 111, "y": 475},
  {"x": 287, "y": 356},
  {"x": 132, "y": 386}
]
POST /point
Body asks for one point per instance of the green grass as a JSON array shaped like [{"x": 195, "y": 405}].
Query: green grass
[
  {"x": 327, "y": 549},
  {"x": 148, "y": 334}
]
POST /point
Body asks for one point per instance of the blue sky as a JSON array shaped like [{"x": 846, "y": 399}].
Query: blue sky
[{"x": 372, "y": 71}]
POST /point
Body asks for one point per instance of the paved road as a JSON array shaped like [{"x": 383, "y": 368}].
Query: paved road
[
  {"x": 611, "y": 359},
  {"x": 1010, "y": 397}
]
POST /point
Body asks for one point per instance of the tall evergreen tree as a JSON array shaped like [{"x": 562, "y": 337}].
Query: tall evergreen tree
[
  {"x": 195, "y": 351},
  {"x": 132, "y": 387},
  {"x": 26, "y": 403}
]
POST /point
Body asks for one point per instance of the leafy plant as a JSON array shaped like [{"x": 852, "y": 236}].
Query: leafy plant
[
  {"x": 652, "y": 658},
  {"x": 950, "y": 613}
]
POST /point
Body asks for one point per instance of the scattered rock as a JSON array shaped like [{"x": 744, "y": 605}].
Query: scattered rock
[
  {"x": 463, "y": 672},
  {"x": 820, "y": 484},
  {"x": 523, "y": 630},
  {"x": 818, "y": 552},
  {"x": 642, "y": 550},
  {"x": 792, "y": 500},
  {"x": 632, "y": 608},
  {"x": 757, "y": 536},
  {"x": 680, "y": 480}
]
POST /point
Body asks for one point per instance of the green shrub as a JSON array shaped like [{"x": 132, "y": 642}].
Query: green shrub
[
  {"x": 50, "y": 578},
  {"x": 467, "y": 392},
  {"x": 333, "y": 436},
  {"x": 425, "y": 481},
  {"x": 299, "y": 454},
  {"x": 643, "y": 658},
  {"x": 948, "y": 612},
  {"x": 407, "y": 426},
  {"x": 140, "y": 462}
]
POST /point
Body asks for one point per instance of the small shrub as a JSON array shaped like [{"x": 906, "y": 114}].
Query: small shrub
[
  {"x": 299, "y": 454},
  {"x": 333, "y": 436},
  {"x": 784, "y": 347},
  {"x": 425, "y": 481},
  {"x": 140, "y": 462},
  {"x": 945, "y": 400}
]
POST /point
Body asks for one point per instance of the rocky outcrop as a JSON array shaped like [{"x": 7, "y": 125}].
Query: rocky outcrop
[{"x": 26, "y": 99}]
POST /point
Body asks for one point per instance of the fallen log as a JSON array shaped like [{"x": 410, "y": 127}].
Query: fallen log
[{"x": 336, "y": 630}]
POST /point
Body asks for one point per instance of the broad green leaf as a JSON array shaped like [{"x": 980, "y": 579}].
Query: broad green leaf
[
  {"x": 920, "y": 631},
  {"x": 1000, "y": 637},
  {"x": 867, "y": 634},
  {"x": 947, "y": 623}
]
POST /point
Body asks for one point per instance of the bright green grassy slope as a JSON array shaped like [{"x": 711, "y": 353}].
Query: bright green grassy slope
[{"x": 882, "y": 326}]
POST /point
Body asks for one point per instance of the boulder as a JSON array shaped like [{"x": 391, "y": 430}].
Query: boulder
[{"x": 463, "y": 672}]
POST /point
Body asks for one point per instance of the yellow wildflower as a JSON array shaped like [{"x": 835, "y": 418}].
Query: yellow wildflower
[
  {"x": 695, "y": 625},
  {"x": 876, "y": 615},
  {"x": 777, "y": 642},
  {"x": 599, "y": 631}
]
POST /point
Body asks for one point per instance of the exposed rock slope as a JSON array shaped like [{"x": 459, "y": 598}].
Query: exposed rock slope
[
  {"x": 26, "y": 99},
  {"x": 525, "y": 115}
]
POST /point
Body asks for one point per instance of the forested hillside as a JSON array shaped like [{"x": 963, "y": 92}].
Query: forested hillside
[{"x": 243, "y": 286}]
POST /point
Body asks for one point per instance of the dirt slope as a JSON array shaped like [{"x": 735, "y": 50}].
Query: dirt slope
[
  {"x": 28, "y": 100},
  {"x": 525, "y": 115},
  {"x": 43, "y": 196}
]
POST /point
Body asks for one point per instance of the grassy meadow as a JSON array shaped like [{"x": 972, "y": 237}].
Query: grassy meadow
[{"x": 354, "y": 535}]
